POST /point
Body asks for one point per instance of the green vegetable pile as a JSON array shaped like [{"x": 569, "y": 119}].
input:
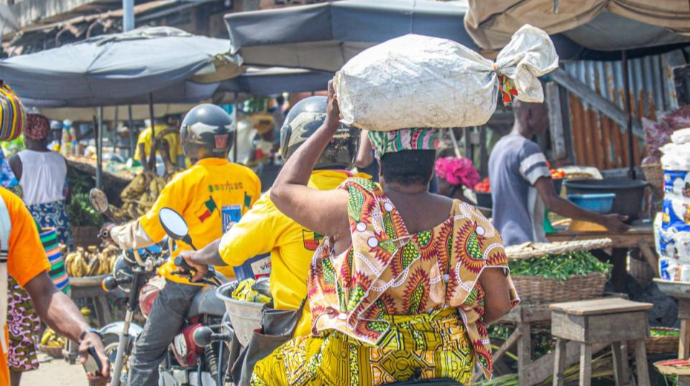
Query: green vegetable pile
[
  {"x": 654, "y": 333},
  {"x": 13, "y": 147},
  {"x": 81, "y": 213},
  {"x": 559, "y": 267}
]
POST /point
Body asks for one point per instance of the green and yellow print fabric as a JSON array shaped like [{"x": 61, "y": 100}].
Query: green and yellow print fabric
[{"x": 388, "y": 271}]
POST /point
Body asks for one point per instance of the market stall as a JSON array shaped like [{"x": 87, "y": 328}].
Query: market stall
[{"x": 143, "y": 66}]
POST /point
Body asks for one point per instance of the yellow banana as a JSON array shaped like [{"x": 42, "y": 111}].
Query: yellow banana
[{"x": 47, "y": 334}]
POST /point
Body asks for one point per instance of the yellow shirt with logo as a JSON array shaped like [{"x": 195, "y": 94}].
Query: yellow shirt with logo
[
  {"x": 173, "y": 140},
  {"x": 199, "y": 194},
  {"x": 264, "y": 229}
]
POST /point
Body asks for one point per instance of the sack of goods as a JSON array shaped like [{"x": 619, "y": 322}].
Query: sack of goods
[
  {"x": 672, "y": 225},
  {"x": 423, "y": 82}
]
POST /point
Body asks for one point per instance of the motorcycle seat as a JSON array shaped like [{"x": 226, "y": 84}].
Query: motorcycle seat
[{"x": 206, "y": 303}]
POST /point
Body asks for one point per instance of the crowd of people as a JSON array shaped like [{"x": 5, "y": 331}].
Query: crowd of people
[{"x": 390, "y": 273}]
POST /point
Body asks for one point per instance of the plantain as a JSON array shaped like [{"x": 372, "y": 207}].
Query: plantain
[
  {"x": 104, "y": 264},
  {"x": 94, "y": 266},
  {"x": 153, "y": 188},
  {"x": 79, "y": 266},
  {"x": 47, "y": 334},
  {"x": 69, "y": 263},
  {"x": 135, "y": 187}
]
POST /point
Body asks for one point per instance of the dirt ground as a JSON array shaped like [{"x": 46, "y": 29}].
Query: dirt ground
[{"x": 55, "y": 372}]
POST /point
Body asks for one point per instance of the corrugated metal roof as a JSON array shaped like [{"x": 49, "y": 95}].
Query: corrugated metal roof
[{"x": 598, "y": 141}]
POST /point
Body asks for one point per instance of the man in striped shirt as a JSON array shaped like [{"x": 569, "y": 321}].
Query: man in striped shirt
[{"x": 521, "y": 183}]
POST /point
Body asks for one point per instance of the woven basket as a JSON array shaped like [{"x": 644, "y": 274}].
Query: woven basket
[
  {"x": 55, "y": 352},
  {"x": 659, "y": 344},
  {"x": 536, "y": 289},
  {"x": 654, "y": 174},
  {"x": 529, "y": 250},
  {"x": 640, "y": 271}
]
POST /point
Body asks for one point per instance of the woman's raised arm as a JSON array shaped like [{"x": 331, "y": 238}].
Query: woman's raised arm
[{"x": 324, "y": 212}]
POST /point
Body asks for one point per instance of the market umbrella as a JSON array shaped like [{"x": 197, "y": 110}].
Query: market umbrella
[
  {"x": 273, "y": 81},
  {"x": 325, "y": 36},
  {"x": 170, "y": 64},
  {"x": 130, "y": 67}
]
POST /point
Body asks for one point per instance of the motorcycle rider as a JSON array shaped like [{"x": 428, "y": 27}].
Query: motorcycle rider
[
  {"x": 206, "y": 193},
  {"x": 265, "y": 229}
]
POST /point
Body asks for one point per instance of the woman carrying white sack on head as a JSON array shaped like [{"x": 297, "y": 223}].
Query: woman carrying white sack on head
[{"x": 398, "y": 288}]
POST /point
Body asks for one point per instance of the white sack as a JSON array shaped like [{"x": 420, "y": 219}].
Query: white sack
[
  {"x": 418, "y": 81},
  {"x": 676, "y": 156},
  {"x": 681, "y": 136}
]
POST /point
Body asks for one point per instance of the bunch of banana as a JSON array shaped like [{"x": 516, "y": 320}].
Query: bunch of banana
[
  {"x": 138, "y": 197},
  {"x": 51, "y": 339},
  {"x": 90, "y": 262}
]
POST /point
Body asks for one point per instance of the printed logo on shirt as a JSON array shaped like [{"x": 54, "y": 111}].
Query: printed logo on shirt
[
  {"x": 227, "y": 186},
  {"x": 207, "y": 210},
  {"x": 311, "y": 240}
]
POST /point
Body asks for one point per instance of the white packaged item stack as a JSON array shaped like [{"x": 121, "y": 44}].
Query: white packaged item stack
[
  {"x": 422, "y": 82},
  {"x": 673, "y": 234}
]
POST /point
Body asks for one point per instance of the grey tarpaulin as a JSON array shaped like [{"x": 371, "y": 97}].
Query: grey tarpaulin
[
  {"x": 272, "y": 81},
  {"x": 324, "y": 36},
  {"x": 122, "y": 69},
  {"x": 605, "y": 25}
]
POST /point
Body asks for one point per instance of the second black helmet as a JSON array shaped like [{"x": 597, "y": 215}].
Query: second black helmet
[{"x": 303, "y": 120}]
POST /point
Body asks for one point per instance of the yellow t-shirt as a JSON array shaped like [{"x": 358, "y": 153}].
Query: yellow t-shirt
[
  {"x": 199, "y": 194},
  {"x": 264, "y": 229},
  {"x": 173, "y": 140},
  {"x": 26, "y": 258}
]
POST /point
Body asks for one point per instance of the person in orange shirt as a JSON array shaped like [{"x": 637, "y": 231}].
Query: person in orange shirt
[
  {"x": 208, "y": 195},
  {"x": 24, "y": 259}
]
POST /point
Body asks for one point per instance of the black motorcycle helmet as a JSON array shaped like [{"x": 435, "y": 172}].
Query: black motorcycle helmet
[
  {"x": 206, "y": 131},
  {"x": 303, "y": 120}
]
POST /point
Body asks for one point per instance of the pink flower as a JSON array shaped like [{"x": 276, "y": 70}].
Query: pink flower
[{"x": 457, "y": 171}]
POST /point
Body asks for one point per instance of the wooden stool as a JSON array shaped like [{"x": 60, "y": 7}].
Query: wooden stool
[{"x": 610, "y": 321}]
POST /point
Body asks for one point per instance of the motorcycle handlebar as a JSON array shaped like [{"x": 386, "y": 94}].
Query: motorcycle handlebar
[{"x": 209, "y": 277}]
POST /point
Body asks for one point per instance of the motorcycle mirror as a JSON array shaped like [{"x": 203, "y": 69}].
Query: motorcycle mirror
[
  {"x": 98, "y": 200},
  {"x": 174, "y": 225}
]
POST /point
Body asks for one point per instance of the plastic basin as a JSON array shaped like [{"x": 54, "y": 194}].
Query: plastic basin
[
  {"x": 245, "y": 317},
  {"x": 598, "y": 203}
]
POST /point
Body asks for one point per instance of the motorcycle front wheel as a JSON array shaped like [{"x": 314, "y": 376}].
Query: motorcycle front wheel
[{"x": 110, "y": 345}]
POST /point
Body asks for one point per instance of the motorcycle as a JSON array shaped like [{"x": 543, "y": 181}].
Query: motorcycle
[{"x": 185, "y": 363}]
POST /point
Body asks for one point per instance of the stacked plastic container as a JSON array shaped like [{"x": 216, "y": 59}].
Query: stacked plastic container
[{"x": 672, "y": 225}]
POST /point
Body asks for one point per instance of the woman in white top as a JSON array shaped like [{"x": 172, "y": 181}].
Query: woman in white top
[{"x": 42, "y": 175}]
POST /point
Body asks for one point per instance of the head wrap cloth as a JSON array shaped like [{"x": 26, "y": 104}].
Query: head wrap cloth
[
  {"x": 385, "y": 142},
  {"x": 37, "y": 127}
]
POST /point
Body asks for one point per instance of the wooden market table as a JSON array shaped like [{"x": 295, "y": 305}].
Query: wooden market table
[
  {"x": 641, "y": 237},
  {"x": 525, "y": 317},
  {"x": 680, "y": 291}
]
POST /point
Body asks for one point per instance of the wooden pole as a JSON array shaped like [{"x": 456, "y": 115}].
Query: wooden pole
[
  {"x": 234, "y": 140},
  {"x": 628, "y": 113},
  {"x": 113, "y": 135},
  {"x": 132, "y": 143},
  {"x": 152, "y": 150},
  {"x": 99, "y": 149}
]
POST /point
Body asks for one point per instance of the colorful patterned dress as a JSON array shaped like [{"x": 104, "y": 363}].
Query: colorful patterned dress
[{"x": 394, "y": 306}]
